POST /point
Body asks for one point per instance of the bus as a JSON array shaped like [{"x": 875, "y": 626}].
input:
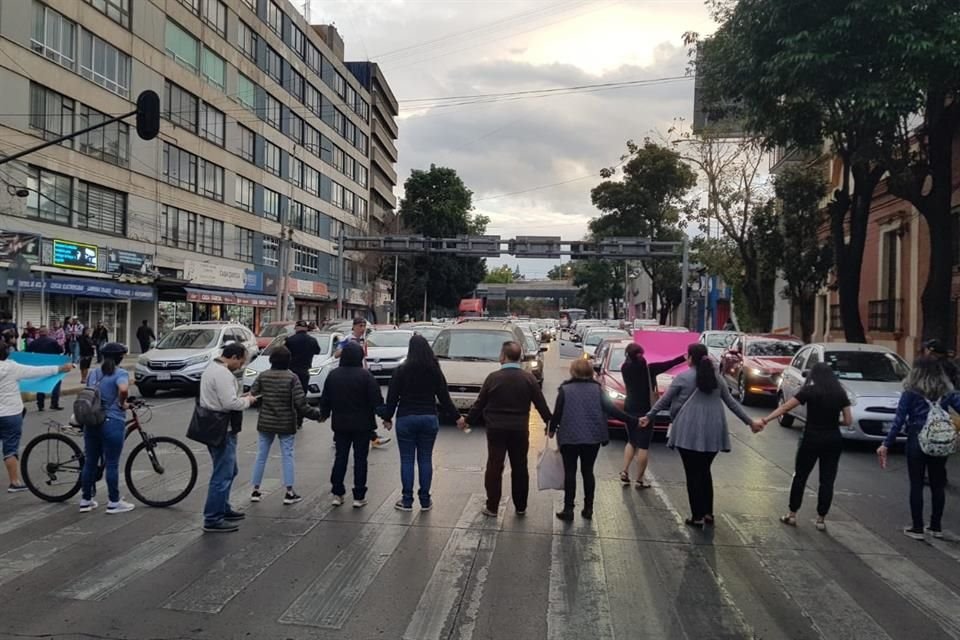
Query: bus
[{"x": 570, "y": 316}]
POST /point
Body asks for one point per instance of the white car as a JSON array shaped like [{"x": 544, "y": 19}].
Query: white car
[
  {"x": 595, "y": 336},
  {"x": 322, "y": 363},
  {"x": 387, "y": 350},
  {"x": 179, "y": 358},
  {"x": 718, "y": 342}
]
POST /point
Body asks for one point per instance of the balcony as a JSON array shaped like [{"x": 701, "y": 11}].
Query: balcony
[
  {"x": 383, "y": 188},
  {"x": 386, "y": 140},
  {"x": 884, "y": 315},
  {"x": 383, "y": 163}
]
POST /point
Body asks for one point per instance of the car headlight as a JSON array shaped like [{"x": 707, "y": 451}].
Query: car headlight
[
  {"x": 143, "y": 360},
  {"x": 758, "y": 372},
  {"x": 616, "y": 395},
  {"x": 249, "y": 372},
  {"x": 315, "y": 371},
  {"x": 534, "y": 364},
  {"x": 203, "y": 357}
]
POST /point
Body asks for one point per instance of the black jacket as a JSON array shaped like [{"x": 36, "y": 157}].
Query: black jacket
[
  {"x": 639, "y": 380},
  {"x": 100, "y": 334},
  {"x": 302, "y": 349},
  {"x": 45, "y": 344},
  {"x": 86, "y": 346},
  {"x": 417, "y": 393},
  {"x": 351, "y": 394},
  {"x": 505, "y": 399}
]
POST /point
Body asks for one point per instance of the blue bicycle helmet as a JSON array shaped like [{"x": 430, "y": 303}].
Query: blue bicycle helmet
[{"x": 113, "y": 350}]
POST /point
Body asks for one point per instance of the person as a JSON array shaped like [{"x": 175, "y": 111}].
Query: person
[
  {"x": 145, "y": 336},
  {"x": 699, "y": 430},
  {"x": 29, "y": 334},
  {"x": 416, "y": 388},
  {"x": 926, "y": 384},
  {"x": 6, "y": 322},
  {"x": 358, "y": 335},
  {"x": 303, "y": 347},
  {"x": 11, "y": 410},
  {"x": 46, "y": 344},
  {"x": 85, "y": 342},
  {"x": 58, "y": 334},
  {"x": 219, "y": 391},
  {"x": 106, "y": 440},
  {"x": 821, "y": 441},
  {"x": 639, "y": 380},
  {"x": 729, "y": 326},
  {"x": 503, "y": 405},
  {"x": 351, "y": 395},
  {"x": 73, "y": 332},
  {"x": 935, "y": 349},
  {"x": 312, "y": 325},
  {"x": 100, "y": 337},
  {"x": 283, "y": 405},
  {"x": 580, "y": 425}
]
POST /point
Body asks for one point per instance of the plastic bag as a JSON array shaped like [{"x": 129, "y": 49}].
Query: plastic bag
[{"x": 550, "y": 467}]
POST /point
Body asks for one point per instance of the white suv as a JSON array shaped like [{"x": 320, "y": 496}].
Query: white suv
[{"x": 178, "y": 360}]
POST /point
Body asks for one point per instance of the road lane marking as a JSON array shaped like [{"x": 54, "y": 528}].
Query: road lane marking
[{"x": 28, "y": 515}]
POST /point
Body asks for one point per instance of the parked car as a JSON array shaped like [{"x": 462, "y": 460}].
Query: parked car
[
  {"x": 753, "y": 365},
  {"x": 872, "y": 375},
  {"x": 428, "y": 331},
  {"x": 387, "y": 350},
  {"x": 718, "y": 342},
  {"x": 273, "y": 329},
  {"x": 179, "y": 358},
  {"x": 322, "y": 363}
]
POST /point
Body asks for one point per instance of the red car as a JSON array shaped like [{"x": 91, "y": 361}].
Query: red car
[
  {"x": 608, "y": 360},
  {"x": 754, "y": 364}
]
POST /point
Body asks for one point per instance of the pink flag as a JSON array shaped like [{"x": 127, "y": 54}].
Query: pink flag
[{"x": 661, "y": 346}]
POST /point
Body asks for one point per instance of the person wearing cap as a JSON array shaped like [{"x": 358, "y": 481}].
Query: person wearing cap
[
  {"x": 359, "y": 336},
  {"x": 302, "y": 348},
  {"x": 935, "y": 349}
]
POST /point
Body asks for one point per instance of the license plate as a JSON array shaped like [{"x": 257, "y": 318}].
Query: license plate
[
  {"x": 376, "y": 367},
  {"x": 163, "y": 376}
]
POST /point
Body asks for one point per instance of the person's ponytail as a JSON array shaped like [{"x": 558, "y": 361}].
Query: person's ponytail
[
  {"x": 706, "y": 374},
  {"x": 108, "y": 367}
]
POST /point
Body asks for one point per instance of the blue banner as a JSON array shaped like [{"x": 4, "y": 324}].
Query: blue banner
[
  {"x": 39, "y": 385},
  {"x": 90, "y": 288}
]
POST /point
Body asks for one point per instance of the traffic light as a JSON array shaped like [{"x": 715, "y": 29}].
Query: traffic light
[{"x": 148, "y": 115}]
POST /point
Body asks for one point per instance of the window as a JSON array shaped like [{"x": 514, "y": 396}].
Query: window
[
  {"x": 361, "y": 142},
  {"x": 53, "y": 35},
  {"x": 349, "y": 167},
  {"x": 297, "y": 40},
  {"x": 314, "y": 58},
  {"x": 180, "y": 106},
  {"x": 104, "y": 64},
  {"x": 295, "y": 84},
  {"x": 311, "y": 139},
  {"x": 246, "y": 92},
  {"x": 247, "y": 40},
  {"x": 110, "y": 143},
  {"x": 295, "y": 128},
  {"x": 211, "y": 180},
  {"x": 51, "y": 113},
  {"x": 337, "y": 159},
  {"x": 327, "y": 151},
  {"x": 271, "y": 111},
  {"x": 190, "y": 231},
  {"x": 271, "y": 251},
  {"x": 271, "y": 157},
  {"x": 193, "y": 5},
  {"x": 274, "y": 18},
  {"x": 337, "y": 197},
  {"x": 305, "y": 218},
  {"x": 271, "y": 204},
  {"x": 251, "y": 3},
  {"x": 836, "y": 320},
  {"x": 182, "y": 47},
  {"x": 891, "y": 264},
  {"x": 102, "y": 209},
  {"x": 362, "y": 175},
  {"x": 247, "y": 139},
  {"x": 116, "y": 10},
  {"x": 244, "y": 194},
  {"x": 244, "y": 244},
  {"x": 306, "y": 260},
  {"x": 274, "y": 65},
  {"x": 179, "y": 167},
  {"x": 349, "y": 200},
  {"x": 215, "y": 15},
  {"x": 296, "y": 171},
  {"x": 312, "y": 100},
  {"x": 311, "y": 180},
  {"x": 212, "y": 124},
  {"x": 361, "y": 210},
  {"x": 51, "y": 195},
  {"x": 214, "y": 69}
]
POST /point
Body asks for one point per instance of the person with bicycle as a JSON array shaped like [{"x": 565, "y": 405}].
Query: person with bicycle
[
  {"x": 106, "y": 440},
  {"x": 11, "y": 410}
]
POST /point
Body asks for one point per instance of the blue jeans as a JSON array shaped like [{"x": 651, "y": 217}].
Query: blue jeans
[
  {"x": 415, "y": 438},
  {"x": 286, "y": 451},
  {"x": 221, "y": 480},
  {"x": 74, "y": 351},
  {"x": 360, "y": 441},
  {"x": 11, "y": 428},
  {"x": 105, "y": 441}
]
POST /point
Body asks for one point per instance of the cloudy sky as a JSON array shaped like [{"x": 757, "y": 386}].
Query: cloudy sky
[{"x": 442, "y": 48}]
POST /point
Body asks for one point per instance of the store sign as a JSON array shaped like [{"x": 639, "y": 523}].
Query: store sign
[
  {"x": 75, "y": 255},
  {"x": 85, "y": 288},
  {"x": 356, "y": 296},
  {"x": 310, "y": 288},
  {"x": 120, "y": 261},
  {"x": 254, "y": 301},
  {"x": 253, "y": 280},
  {"x": 214, "y": 275},
  {"x": 216, "y": 297},
  {"x": 18, "y": 244}
]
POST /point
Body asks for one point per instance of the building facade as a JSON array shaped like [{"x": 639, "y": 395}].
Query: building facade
[{"x": 263, "y": 157}]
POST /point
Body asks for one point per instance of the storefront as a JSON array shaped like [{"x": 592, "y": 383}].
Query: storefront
[
  {"x": 311, "y": 300},
  {"x": 356, "y": 303}
]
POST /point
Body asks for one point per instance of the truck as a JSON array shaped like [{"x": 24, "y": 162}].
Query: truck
[{"x": 470, "y": 308}]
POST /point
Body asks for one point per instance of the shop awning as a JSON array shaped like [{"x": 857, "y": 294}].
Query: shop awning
[
  {"x": 86, "y": 288},
  {"x": 229, "y": 297}
]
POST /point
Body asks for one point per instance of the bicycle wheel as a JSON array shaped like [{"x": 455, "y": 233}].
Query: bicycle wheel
[
  {"x": 161, "y": 471},
  {"x": 51, "y": 466}
]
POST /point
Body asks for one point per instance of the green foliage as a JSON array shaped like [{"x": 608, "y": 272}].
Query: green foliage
[
  {"x": 561, "y": 272},
  {"x": 600, "y": 282},
  {"x": 501, "y": 275}
]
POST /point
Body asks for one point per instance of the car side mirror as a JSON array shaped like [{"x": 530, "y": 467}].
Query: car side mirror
[
  {"x": 228, "y": 342},
  {"x": 543, "y": 349}
]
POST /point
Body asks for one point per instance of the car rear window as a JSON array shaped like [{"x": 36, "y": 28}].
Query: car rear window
[
  {"x": 471, "y": 345},
  {"x": 869, "y": 366},
  {"x": 773, "y": 348}
]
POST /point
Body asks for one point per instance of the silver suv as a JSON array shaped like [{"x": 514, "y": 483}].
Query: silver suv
[{"x": 178, "y": 360}]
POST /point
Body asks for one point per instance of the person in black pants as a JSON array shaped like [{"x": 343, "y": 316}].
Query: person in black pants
[
  {"x": 302, "y": 348},
  {"x": 45, "y": 344},
  {"x": 825, "y": 400}
]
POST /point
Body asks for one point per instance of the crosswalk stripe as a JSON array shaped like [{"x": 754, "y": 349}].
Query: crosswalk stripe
[
  {"x": 917, "y": 587},
  {"x": 947, "y": 546},
  {"x": 834, "y": 614},
  {"x": 330, "y": 599},
  {"x": 448, "y": 605},
  {"x": 101, "y": 581},
  {"x": 28, "y": 515}
]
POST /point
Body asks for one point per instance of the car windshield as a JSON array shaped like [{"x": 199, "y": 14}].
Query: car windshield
[
  {"x": 389, "y": 338},
  {"x": 617, "y": 358},
  {"x": 596, "y": 337},
  {"x": 773, "y": 348},
  {"x": 531, "y": 344},
  {"x": 189, "y": 339},
  {"x": 869, "y": 366},
  {"x": 274, "y": 330},
  {"x": 720, "y": 340},
  {"x": 430, "y": 333},
  {"x": 470, "y": 345}
]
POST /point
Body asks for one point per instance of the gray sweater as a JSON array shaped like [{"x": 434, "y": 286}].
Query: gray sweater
[{"x": 220, "y": 389}]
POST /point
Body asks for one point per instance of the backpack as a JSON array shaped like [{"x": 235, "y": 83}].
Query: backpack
[
  {"x": 88, "y": 408},
  {"x": 938, "y": 437}
]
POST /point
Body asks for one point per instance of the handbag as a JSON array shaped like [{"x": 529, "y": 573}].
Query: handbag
[
  {"x": 550, "y": 467},
  {"x": 208, "y": 427}
]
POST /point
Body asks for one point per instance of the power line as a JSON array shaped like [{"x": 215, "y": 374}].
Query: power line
[
  {"x": 552, "y": 90},
  {"x": 546, "y": 186}
]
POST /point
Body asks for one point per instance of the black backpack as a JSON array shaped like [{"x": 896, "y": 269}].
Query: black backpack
[{"x": 88, "y": 408}]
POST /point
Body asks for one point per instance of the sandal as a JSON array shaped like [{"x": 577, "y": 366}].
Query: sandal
[
  {"x": 789, "y": 520},
  {"x": 690, "y": 522},
  {"x": 643, "y": 484},
  {"x": 625, "y": 478}
]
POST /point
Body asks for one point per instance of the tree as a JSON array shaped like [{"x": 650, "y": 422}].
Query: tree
[
  {"x": 561, "y": 272},
  {"x": 600, "y": 282},
  {"x": 501, "y": 275},
  {"x": 806, "y": 257}
]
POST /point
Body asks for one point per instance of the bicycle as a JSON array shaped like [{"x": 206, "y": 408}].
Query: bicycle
[{"x": 52, "y": 463}]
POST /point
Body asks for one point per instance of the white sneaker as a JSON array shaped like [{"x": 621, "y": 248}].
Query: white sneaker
[
  {"x": 119, "y": 507},
  {"x": 86, "y": 506},
  {"x": 359, "y": 503},
  {"x": 337, "y": 501}
]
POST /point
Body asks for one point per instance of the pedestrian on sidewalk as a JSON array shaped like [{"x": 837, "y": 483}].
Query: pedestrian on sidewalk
[
  {"x": 220, "y": 392},
  {"x": 358, "y": 335},
  {"x": 503, "y": 405},
  {"x": 87, "y": 350},
  {"x": 926, "y": 385},
  {"x": 106, "y": 440},
  {"x": 11, "y": 410},
  {"x": 699, "y": 431},
  {"x": 416, "y": 388},
  {"x": 303, "y": 347},
  {"x": 145, "y": 336},
  {"x": 639, "y": 380},
  {"x": 58, "y": 334},
  {"x": 283, "y": 406},
  {"x": 351, "y": 395},
  {"x": 46, "y": 344},
  {"x": 821, "y": 442},
  {"x": 580, "y": 426},
  {"x": 29, "y": 335},
  {"x": 100, "y": 337},
  {"x": 73, "y": 332}
]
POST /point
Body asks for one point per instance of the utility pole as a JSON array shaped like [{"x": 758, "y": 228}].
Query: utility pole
[
  {"x": 340, "y": 272},
  {"x": 396, "y": 285},
  {"x": 283, "y": 268},
  {"x": 684, "y": 277}
]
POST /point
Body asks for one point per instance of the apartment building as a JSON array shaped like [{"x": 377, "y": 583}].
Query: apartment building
[{"x": 265, "y": 144}]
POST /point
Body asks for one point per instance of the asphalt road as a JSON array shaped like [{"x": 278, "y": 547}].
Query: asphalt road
[{"x": 635, "y": 571}]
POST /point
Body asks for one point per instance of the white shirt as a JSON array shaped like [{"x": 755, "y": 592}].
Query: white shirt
[
  {"x": 220, "y": 389},
  {"x": 11, "y": 373}
]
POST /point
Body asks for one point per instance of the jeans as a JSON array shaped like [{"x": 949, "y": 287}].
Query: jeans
[
  {"x": 696, "y": 466},
  {"x": 822, "y": 447},
  {"x": 105, "y": 441},
  {"x": 936, "y": 468},
  {"x": 11, "y": 428},
  {"x": 415, "y": 438},
  {"x": 360, "y": 441},
  {"x": 286, "y": 452},
  {"x": 100, "y": 345},
  {"x": 587, "y": 455},
  {"x": 74, "y": 351},
  {"x": 221, "y": 480},
  {"x": 516, "y": 444},
  {"x": 54, "y": 400}
]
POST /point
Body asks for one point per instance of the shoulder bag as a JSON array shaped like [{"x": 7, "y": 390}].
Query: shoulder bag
[{"x": 207, "y": 426}]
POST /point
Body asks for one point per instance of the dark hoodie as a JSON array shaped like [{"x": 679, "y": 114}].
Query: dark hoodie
[{"x": 351, "y": 394}]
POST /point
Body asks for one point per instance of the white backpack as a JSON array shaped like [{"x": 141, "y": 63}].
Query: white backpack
[{"x": 938, "y": 437}]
